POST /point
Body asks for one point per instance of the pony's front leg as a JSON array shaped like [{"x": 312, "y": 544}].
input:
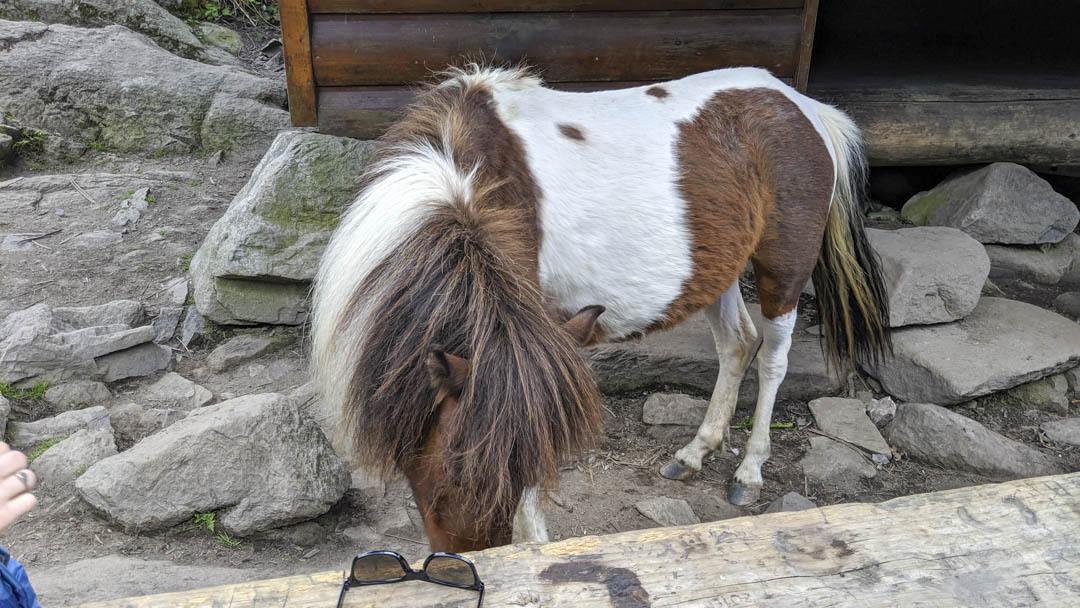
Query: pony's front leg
[
  {"x": 529, "y": 523},
  {"x": 772, "y": 367},
  {"x": 735, "y": 337}
]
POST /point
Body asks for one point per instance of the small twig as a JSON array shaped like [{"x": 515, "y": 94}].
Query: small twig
[
  {"x": 858, "y": 450},
  {"x": 70, "y": 237},
  {"x": 11, "y": 182},
  {"x": 33, "y": 242},
  {"x": 410, "y": 540},
  {"x": 79, "y": 189}
]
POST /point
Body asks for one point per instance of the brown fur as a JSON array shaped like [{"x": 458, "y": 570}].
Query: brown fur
[
  {"x": 572, "y": 132},
  {"x": 755, "y": 174},
  {"x": 657, "y": 91},
  {"x": 466, "y": 280}
]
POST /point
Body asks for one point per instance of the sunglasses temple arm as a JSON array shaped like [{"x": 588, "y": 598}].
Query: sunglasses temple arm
[
  {"x": 480, "y": 602},
  {"x": 345, "y": 587}
]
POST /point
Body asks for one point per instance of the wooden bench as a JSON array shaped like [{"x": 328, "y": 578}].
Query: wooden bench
[{"x": 1009, "y": 544}]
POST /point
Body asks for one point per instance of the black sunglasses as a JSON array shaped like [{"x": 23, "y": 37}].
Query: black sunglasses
[{"x": 383, "y": 567}]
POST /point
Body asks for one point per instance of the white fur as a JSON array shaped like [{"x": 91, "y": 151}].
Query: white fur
[
  {"x": 529, "y": 523},
  {"x": 612, "y": 219}
]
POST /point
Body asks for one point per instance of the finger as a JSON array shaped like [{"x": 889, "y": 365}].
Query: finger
[
  {"x": 17, "y": 483},
  {"x": 4, "y": 447},
  {"x": 11, "y": 461},
  {"x": 12, "y": 509}
]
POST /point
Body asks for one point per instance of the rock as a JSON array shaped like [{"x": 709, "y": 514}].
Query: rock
[
  {"x": 792, "y": 501},
  {"x": 674, "y": 408},
  {"x": 140, "y": 360},
  {"x": 56, "y": 192},
  {"x": 62, "y": 463},
  {"x": 686, "y": 356},
  {"x": 1001, "y": 344},
  {"x": 17, "y": 242},
  {"x": 194, "y": 325},
  {"x": 832, "y": 462},
  {"x": 174, "y": 391},
  {"x": 1001, "y": 203},
  {"x": 143, "y": 16},
  {"x": 5, "y": 411},
  {"x": 7, "y": 149},
  {"x": 881, "y": 411},
  {"x": 1063, "y": 431},
  {"x": 29, "y": 434},
  {"x": 846, "y": 419},
  {"x": 257, "y": 261},
  {"x": 133, "y": 423},
  {"x": 1047, "y": 264},
  {"x": 1072, "y": 376},
  {"x": 1048, "y": 394},
  {"x": 395, "y": 520},
  {"x": 98, "y": 239},
  {"x": 54, "y": 344},
  {"x": 271, "y": 467},
  {"x": 131, "y": 208},
  {"x": 221, "y": 37},
  {"x": 165, "y": 324},
  {"x": 237, "y": 350},
  {"x": 368, "y": 483},
  {"x": 932, "y": 434},
  {"x": 1068, "y": 304},
  {"x": 933, "y": 274},
  {"x": 74, "y": 395},
  {"x": 176, "y": 290},
  {"x": 667, "y": 511},
  {"x": 118, "y": 89}
]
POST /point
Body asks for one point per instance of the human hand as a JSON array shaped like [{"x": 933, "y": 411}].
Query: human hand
[{"x": 16, "y": 481}]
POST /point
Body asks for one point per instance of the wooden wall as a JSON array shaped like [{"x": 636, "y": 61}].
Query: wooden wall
[{"x": 350, "y": 63}]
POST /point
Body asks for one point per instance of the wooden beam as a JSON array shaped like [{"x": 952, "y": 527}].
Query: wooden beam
[
  {"x": 1010, "y": 544},
  {"x": 806, "y": 44},
  {"x": 300, "y": 81},
  {"x": 518, "y": 6},
  {"x": 614, "y": 46}
]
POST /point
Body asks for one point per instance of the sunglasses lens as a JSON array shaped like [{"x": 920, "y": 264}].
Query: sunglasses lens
[
  {"x": 377, "y": 568},
  {"x": 450, "y": 570}
]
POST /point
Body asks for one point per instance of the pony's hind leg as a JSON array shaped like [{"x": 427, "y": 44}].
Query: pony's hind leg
[{"x": 735, "y": 337}]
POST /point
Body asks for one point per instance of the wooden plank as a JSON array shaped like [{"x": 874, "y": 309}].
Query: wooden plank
[
  {"x": 806, "y": 44},
  {"x": 402, "y": 49},
  {"x": 300, "y": 81},
  {"x": 519, "y": 6},
  {"x": 1010, "y": 544}
]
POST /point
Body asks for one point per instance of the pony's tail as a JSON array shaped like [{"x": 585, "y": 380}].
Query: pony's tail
[{"x": 848, "y": 281}]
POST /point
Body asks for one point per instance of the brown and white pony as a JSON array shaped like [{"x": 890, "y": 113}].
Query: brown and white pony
[{"x": 502, "y": 218}]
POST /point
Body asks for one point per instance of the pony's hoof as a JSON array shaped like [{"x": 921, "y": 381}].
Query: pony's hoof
[
  {"x": 743, "y": 495},
  {"x": 677, "y": 470}
]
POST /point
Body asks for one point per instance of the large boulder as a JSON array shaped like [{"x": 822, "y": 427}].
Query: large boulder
[
  {"x": 118, "y": 89},
  {"x": 143, "y": 16},
  {"x": 686, "y": 356},
  {"x": 25, "y": 435},
  {"x": 1000, "y": 203},
  {"x": 1001, "y": 344},
  {"x": 932, "y": 434},
  {"x": 105, "y": 342},
  {"x": 1048, "y": 264},
  {"x": 257, "y": 261},
  {"x": 255, "y": 460},
  {"x": 933, "y": 274}
]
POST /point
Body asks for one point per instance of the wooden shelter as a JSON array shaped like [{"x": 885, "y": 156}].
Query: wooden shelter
[{"x": 930, "y": 82}]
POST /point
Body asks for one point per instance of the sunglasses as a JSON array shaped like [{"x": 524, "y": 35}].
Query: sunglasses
[{"x": 384, "y": 567}]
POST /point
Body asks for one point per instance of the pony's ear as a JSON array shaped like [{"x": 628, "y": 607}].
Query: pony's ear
[
  {"x": 448, "y": 372},
  {"x": 580, "y": 326}
]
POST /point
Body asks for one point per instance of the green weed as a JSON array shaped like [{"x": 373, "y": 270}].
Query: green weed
[
  {"x": 227, "y": 542},
  {"x": 44, "y": 445},
  {"x": 23, "y": 394},
  {"x": 747, "y": 423},
  {"x": 205, "y": 520}
]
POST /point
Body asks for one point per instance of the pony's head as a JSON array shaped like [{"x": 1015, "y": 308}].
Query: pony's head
[{"x": 455, "y": 519}]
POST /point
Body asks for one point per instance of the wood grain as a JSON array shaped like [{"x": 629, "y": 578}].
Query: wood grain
[
  {"x": 517, "y": 6},
  {"x": 1010, "y": 544},
  {"x": 300, "y": 81},
  {"x": 402, "y": 49},
  {"x": 806, "y": 44}
]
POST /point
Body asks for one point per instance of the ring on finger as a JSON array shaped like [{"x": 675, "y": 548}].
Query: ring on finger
[{"x": 24, "y": 477}]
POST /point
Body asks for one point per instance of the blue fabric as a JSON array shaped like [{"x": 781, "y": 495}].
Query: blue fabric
[{"x": 15, "y": 589}]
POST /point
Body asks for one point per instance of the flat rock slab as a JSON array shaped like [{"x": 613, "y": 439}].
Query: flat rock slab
[
  {"x": 846, "y": 419},
  {"x": 77, "y": 394},
  {"x": 1000, "y": 203},
  {"x": 832, "y": 462},
  {"x": 236, "y": 351},
  {"x": 174, "y": 391},
  {"x": 686, "y": 356},
  {"x": 134, "y": 422},
  {"x": 61, "y": 464},
  {"x": 792, "y": 501},
  {"x": 1001, "y": 344},
  {"x": 932, "y": 274},
  {"x": 255, "y": 460},
  {"x": 1063, "y": 431},
  {"x": 1049, "y": 394},
  {"x": 667, "y": 511},
  {"x": 29, "y": 434},
  {"x": 935, "y": 435},
  {"x": 1047, "y": 264},
  {"x": 140, "y": 360},
  {"x": 674, "y": 408}
]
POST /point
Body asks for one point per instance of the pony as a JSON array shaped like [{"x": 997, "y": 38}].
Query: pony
[{"x": 503, "y": 225}]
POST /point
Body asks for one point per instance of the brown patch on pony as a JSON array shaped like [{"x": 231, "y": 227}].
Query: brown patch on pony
[
  {"x": 466, "y": 280},
  {"x": 571, "y": 132},
  {"x": 757, "y": 179},
  {"x": 657, "y": 91}
]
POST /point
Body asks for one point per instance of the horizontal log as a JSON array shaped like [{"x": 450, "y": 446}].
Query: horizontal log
[
  {"x": 522, "y": 6},
  {"x": 1010, "y": 544},
  {"x": 402, "y": 49}
]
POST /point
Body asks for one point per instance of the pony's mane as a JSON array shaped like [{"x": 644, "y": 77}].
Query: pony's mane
[{"x": 451, "y": 204}]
